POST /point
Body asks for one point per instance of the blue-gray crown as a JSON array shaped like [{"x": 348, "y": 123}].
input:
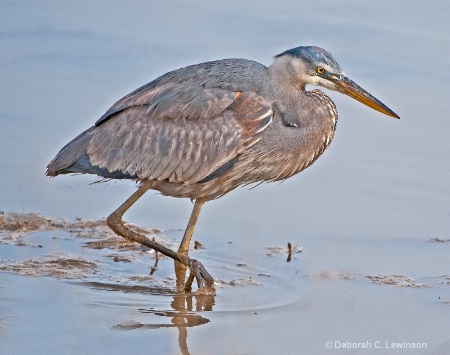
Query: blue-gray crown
[{"x": 313, "y": 55}]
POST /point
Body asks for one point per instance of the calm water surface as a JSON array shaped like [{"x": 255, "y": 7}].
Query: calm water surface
[{"x": 379, "y": 191}]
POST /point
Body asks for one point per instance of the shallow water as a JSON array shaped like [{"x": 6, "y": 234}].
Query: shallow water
[
  {"x": 368, "y": 207},
  {"x": 114, "y": 299}
]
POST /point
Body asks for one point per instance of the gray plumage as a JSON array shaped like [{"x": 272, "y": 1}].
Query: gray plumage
[
  {"x": 226, "y": 122},
  {"x": 201, "y": 131}
]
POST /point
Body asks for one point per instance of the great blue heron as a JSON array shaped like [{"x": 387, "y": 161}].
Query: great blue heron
[{"x": 201, "y": 131}]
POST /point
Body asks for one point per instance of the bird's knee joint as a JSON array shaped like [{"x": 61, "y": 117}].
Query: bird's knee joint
[{"x": 113, "y": 220}]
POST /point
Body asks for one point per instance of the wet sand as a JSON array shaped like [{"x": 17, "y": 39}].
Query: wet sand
[{"x": 74, "y": 287}]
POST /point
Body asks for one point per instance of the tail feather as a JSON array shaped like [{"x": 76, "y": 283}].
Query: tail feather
[{"x": 70, "y": 158}]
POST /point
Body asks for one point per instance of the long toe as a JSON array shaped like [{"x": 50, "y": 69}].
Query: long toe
[{"x": 203, "y": 277}]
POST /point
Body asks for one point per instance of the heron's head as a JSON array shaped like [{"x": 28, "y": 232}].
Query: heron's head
[{"x": 316, "y": 66}]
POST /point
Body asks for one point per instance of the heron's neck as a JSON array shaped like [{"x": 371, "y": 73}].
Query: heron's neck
[
  {"x": 285, "y": 78},
  {"x": 303, "y": 124}
]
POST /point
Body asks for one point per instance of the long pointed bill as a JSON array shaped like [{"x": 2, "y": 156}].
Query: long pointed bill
[{"x": 350, "y": 88}]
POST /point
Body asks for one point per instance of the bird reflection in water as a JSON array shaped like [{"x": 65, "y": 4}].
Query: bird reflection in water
[{"x": 184, "y": 314}]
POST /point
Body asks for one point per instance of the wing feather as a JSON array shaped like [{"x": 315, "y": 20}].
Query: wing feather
[{"x": 179, "y": 132}]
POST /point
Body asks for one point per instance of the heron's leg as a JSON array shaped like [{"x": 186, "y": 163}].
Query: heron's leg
[
  {"x": 115, "y": 222},
  {"x": 184, "y": 246},
  {"x": 197, "y": 269}
]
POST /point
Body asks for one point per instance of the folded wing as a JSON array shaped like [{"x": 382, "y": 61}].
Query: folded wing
[{"x": 180, "y": 132}]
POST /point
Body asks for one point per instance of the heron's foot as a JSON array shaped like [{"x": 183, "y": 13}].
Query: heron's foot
[{"x": 204, "y": 280}]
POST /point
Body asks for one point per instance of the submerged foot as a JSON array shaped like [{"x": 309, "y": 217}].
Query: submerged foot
[{"x": 198, "y": 272}]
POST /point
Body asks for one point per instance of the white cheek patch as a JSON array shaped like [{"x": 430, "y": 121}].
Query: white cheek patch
[
  {"x": 324, "y": 82},
  {"x": 308, "y": 79}
]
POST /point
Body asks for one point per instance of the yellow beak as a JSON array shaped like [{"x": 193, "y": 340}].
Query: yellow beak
[{"x": 350, "y": 88}]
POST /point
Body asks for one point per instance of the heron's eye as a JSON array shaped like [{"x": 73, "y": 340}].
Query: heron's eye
[{"x": 320, "y": 70}]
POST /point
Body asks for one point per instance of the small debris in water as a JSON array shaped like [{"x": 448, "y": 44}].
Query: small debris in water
[
  {"x": 396, "y": 280},
  {"x": 264, "y": 274},
  {"x": 26, "y": 222},
  {"x": 289, "y": 250},
  {"x": 439, "y": 240},
  {"x": 198, "y": 245},
  {"x": 325, "y": 275},
  {"x": 69, "y": 268},
  {"x": 113, "y": 242},
  {"x": 118, "y": 258},
  {"x": 156, "y": 255},
  {"x": 236, "y": 282}
]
